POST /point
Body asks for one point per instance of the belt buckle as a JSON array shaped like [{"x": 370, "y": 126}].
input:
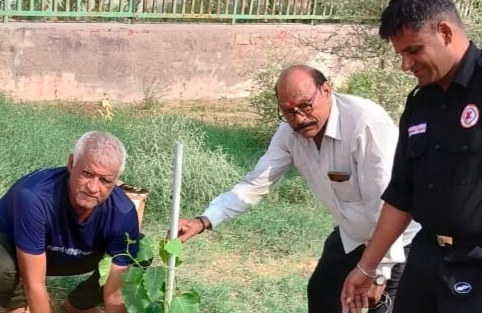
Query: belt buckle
[{"x": 444, "y": 241}]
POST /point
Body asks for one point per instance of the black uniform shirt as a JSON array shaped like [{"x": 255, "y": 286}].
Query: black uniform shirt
[{"x": 437, "y": 171}]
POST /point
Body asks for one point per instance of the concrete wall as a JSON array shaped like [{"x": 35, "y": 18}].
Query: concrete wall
[{"x": 83, "y": 61}]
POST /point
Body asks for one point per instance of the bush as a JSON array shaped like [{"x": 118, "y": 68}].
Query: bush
[
  {"x": 151, "y": 153},
  {"x": 263, "y": 99},
  {"x": 386, "y": 87}
]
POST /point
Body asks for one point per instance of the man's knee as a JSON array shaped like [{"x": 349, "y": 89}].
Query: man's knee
[
  {"x": 9, "y": 278},
  {"x": 9, "y": 281},
  {"x": 11, "y": 292}
]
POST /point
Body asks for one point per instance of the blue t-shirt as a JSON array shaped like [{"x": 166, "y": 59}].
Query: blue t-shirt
[{"x": 37, "y": 214}]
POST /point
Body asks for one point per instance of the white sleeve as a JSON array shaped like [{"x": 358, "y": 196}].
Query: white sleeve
[
  {"x": 376, "y": 148},
  {"x": 257, "y": 183}
]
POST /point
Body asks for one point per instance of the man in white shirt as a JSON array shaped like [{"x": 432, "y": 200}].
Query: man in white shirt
[{"x": 343, "y": 147}]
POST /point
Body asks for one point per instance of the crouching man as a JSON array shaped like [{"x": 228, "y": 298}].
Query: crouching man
[{"x": 61, "y": 222}]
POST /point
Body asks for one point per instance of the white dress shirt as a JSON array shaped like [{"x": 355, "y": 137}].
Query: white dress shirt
[{"x": 360, "y": 140}]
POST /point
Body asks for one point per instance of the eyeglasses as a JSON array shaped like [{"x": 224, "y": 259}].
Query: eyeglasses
[{"x": 303, "y": 109}]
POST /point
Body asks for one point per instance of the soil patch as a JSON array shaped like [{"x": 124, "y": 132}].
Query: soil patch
[{"x": 240, "y": 269}]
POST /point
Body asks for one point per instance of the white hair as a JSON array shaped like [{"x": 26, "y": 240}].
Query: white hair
[{"x": 105, "y": 147}]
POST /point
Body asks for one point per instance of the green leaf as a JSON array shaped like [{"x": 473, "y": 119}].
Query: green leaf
[
  {"x": 129, "y": 240},
  {"x": 143, "y": 288},
  {"x": 104, "y": 269},
  {"x": 154, "y": 282},
  {"x": 155, "y": 307},
  {"x": 174, "y": 247},
  {"x": 187, "y": 302},
  {"x": 146, "y": 249},
  {"x": 163, "y": 254},
  {"x": 133, "y": 292}
]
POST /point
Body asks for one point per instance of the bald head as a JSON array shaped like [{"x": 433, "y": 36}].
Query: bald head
[{"x": 296, "y": 77}]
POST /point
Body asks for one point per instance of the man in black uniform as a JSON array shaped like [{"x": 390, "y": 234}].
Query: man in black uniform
[{"x": 437, "y": 171}]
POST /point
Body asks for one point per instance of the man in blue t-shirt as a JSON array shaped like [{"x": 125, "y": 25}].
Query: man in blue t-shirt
[{"x": 61, "y": 221}]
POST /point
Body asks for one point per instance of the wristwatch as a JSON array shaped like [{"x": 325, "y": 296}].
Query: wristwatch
[{"x": 380, "y": 280}]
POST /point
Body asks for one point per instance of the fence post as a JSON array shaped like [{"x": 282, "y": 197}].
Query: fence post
[
  {"x": 131, "y": 11},
  {"x": 233, "y": 21},
  {"x": 313, "y": 14},
  {"x": 5, "y": 9}
]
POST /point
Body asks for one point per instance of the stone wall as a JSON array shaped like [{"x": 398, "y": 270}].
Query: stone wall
[{"x": 85, "y": 61}]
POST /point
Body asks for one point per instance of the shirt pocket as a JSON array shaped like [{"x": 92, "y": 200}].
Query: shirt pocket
[
  {"x": 416, "y": 146},
  {"x": 465, "y": 156},
  {"x": 416, "y": 156},
  {"x": 347, "y": 191}
]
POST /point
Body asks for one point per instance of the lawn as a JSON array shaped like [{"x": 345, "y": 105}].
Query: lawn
[{"x": 258, "y": 262}]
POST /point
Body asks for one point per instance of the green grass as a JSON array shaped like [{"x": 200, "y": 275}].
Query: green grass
[{"x": 259, "y": 262}]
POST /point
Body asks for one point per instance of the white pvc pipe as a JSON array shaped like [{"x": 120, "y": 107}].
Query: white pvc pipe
[{"x": 176, "y": 197}]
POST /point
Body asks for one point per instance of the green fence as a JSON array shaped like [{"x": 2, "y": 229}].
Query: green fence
[{"x": 307, "y": 11}]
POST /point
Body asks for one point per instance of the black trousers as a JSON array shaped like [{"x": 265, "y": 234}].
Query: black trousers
[
  {"x": 326, "y": 282},
  {"x": 422, "y": 288}
]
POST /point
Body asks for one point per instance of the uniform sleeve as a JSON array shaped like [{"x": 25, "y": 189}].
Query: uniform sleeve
[
  {"x": 29, "y": 221},
  {"x": 257, "y": 183},
  {"x": 117, "y": 243},
  {"x": 400, "y": 189}
]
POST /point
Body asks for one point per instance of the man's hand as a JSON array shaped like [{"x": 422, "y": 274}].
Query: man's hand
[
  {"x": 33, "y": 269},
  {"x": 375, "y": 294},
  {"x": 354, "y": 296},
  {"x": 190, "y": 227}
]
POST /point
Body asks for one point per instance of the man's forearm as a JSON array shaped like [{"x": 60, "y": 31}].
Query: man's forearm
[
  {"x": 390, "y": 226},
  {"x": 394, "y": 255},
  {"x": 113, "y": 302},
  {"x": 37, "y": 298}
]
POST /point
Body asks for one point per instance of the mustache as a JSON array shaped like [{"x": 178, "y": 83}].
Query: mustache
[{"x": 304, "y": 125}]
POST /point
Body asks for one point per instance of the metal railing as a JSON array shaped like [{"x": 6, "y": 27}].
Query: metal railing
[{"x": 307, "y": 11}]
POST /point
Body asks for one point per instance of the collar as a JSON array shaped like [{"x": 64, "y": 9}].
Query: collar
[
  {"x": 467, "y": 66},
  {"x": 333, "y": 123}
]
